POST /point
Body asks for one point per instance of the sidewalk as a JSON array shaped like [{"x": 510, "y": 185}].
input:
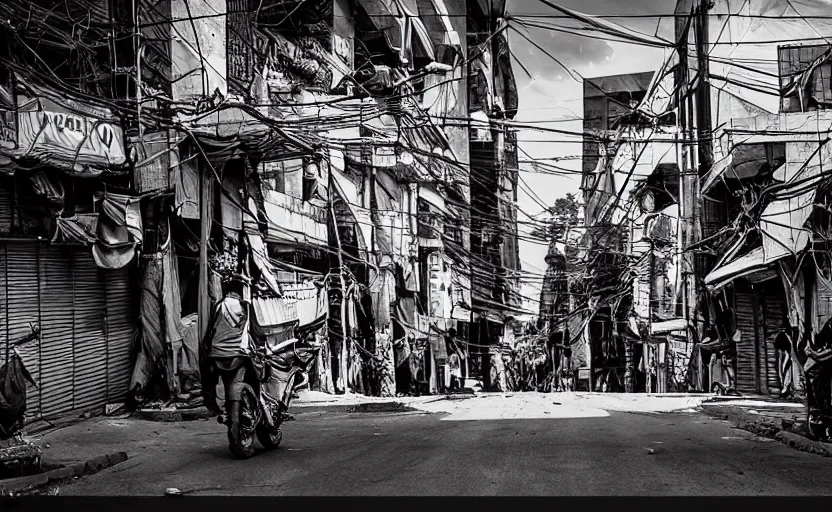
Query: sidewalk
[
  {"x": 70, "y": 451},
  {"x": 774, "y": 418},
  {"x": 309, "y": 400}
]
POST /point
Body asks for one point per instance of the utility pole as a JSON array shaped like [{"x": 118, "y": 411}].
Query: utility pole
[
  {"x": 343, "y": 368},
  {"x": 704, "y": 135},
  {"x": 684, "y": 120},
  {"x": 694, "y": 118}
]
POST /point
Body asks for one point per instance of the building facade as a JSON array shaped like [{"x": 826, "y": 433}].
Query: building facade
[{"x": 322, "y": 151}]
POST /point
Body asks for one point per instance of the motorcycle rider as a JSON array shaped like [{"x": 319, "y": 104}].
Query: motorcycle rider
[
  {"x": 225, "y": 337},
  {"x": 818, "y": 371}
]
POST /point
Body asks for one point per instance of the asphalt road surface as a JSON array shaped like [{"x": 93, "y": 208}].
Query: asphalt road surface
[{"x": 328, "y": 453}]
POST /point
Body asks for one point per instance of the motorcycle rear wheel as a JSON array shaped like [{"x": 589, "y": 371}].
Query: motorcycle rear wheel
[
  {"x": 269, "y": 437},
  {"x": 242, "y": 414}
]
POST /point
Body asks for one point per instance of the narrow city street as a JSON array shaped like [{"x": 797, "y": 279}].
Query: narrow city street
[{"x": 522, "y": 444}]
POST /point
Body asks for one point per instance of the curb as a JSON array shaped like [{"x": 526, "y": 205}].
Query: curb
[
  {"x": 377, "y": 407},
  {"x": 769, "y": 428},
  {"x": 330, "y": 405},
  {"x": 173, "y": 415},
  {"x": 366, "y": 408},
  {"x": 28, "y": 484},
  {"x": 803, "y": 444}
]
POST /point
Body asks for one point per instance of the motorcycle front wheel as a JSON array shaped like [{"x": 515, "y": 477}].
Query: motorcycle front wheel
[{"x": 241, "y": 428}]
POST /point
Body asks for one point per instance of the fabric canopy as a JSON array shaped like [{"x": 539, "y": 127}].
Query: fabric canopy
[{"x": 749, "y": 263}]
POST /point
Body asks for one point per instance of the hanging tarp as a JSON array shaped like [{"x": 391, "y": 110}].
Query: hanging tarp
[
  {"x": 429, "y": 195},
  {"x": 782, "y": 225},
  {"x": 51, "y": 189},
  {"x": 274, "y": 311},
  {"x": 124, "y": 211},
  {"x": 348, "y": 192},
  {"x": 119, "y": 231},
  {"x": 231, "y": 130},
  {"x": 399, "y": 21},
  {"x": 73, "y": 136},
  {"x": 311, "y": 302},
  {"x": 259, "y": 252},
  {"x": 187, "y": 360},
  {"x": 78, "y": 229},
  {"x": 716, "y": 172},
  {"x": 749, "y": 263}
]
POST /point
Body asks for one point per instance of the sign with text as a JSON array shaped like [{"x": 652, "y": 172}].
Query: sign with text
[{"x": 71, "y": 136}]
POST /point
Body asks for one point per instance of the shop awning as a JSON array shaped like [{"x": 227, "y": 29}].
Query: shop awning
[
  {"x": 743, "y": 161},
  {"x": 749, "y": 263},
  {"x": 782, "y": 225}
]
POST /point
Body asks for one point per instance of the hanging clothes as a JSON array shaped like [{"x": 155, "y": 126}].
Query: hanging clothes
[
  {"x": 385, "y": 364},
  {"x": 402, "y": 347},
  {"x": 382, "y": 298},
  {"x": 119, "y": 230},
  {"x": 160, "y": 312},
  {"x": 188, "y": 357}
]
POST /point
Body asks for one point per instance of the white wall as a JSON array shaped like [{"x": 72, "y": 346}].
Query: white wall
[{"x": 205, "y": 35}]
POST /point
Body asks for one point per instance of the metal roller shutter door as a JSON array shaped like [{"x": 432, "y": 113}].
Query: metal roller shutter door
[
  {"x": 4, "y": 305},
  {"x": 746, "y": 347},
  {"x": 23, "y": 301},
  {"x": 90, "y": 342},
  {"x": 121, "y": 330},
  {"x": 57, "y": 334},
  {"x": 775, "y": 311}
]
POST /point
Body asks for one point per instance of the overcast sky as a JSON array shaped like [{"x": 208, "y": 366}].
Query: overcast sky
[{"x": 551, "y": 97}]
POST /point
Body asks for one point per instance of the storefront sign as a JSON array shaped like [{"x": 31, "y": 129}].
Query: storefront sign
[{"x": 75, "y": 136}]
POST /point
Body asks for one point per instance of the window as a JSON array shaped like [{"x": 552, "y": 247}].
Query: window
[
  {"x": 805, "y": 77},
  {"x": 285, "y": 177}
]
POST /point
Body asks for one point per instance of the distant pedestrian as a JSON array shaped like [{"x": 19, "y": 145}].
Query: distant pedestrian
[
  {"x": 783, "y": 345},
  {"x": 456, "y": 371}
]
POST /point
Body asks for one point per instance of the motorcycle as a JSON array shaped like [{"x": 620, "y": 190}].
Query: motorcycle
[
  {"x": 721, "y": 381},
  {"x": 14, "y": 378},
  {"x": 819, "y": 394},
  {"x": 258, "y": 392}
]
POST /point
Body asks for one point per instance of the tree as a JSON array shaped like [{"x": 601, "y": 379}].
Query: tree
[{"x": 562, "y": 216}]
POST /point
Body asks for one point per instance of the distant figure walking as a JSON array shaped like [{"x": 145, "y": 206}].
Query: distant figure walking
[{"x": 456, "y": 371}]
